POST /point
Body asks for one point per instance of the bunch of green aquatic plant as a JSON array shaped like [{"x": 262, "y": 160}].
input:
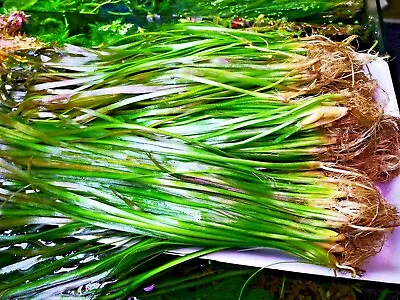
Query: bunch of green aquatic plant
[
  {"x": 207, "y": 136},
  {"x": 188, "y": 71},
  {"x": 46, "y": 255},
  {"x": 138, "y": 179}
]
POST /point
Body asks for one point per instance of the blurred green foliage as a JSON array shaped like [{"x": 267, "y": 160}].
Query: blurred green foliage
[
  {"x": 60, "y": 29},
  {"x": 108, "y": 33},
  {"x": 80, "y": 6}
]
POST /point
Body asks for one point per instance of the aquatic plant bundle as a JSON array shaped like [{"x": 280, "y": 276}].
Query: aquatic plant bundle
[
  {"x": 268, "y": 62},
  {"x": 246, "y": 93},
  {"x": 66, "y": 258},
  {"x": 204, "y": 136},
  {"x": 138, "y": 179},
  {"x": 76, "y": 259}
]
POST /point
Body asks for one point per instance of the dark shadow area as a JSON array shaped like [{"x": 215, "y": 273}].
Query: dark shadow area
[{"x": 392, "y": 44}]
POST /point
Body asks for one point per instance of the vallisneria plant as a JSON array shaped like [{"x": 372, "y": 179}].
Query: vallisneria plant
[
  {"x": 232, "y": 90},
  {"x": 138, "y": 179},
  {"x": 197, "y": 136},
  {"x": 42, "y": 260}
]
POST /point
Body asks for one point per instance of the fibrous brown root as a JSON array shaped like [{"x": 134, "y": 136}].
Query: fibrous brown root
[
  {"x": 370, "y": 222},
  {"x": 374, "y": 150},
  {"x": 339, "y": 69}
]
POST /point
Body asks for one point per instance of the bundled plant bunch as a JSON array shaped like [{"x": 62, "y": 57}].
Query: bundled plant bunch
[{"x": 194, "y": 135}]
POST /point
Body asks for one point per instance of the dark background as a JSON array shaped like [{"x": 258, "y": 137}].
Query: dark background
[{"x": 391, "y": 28}]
